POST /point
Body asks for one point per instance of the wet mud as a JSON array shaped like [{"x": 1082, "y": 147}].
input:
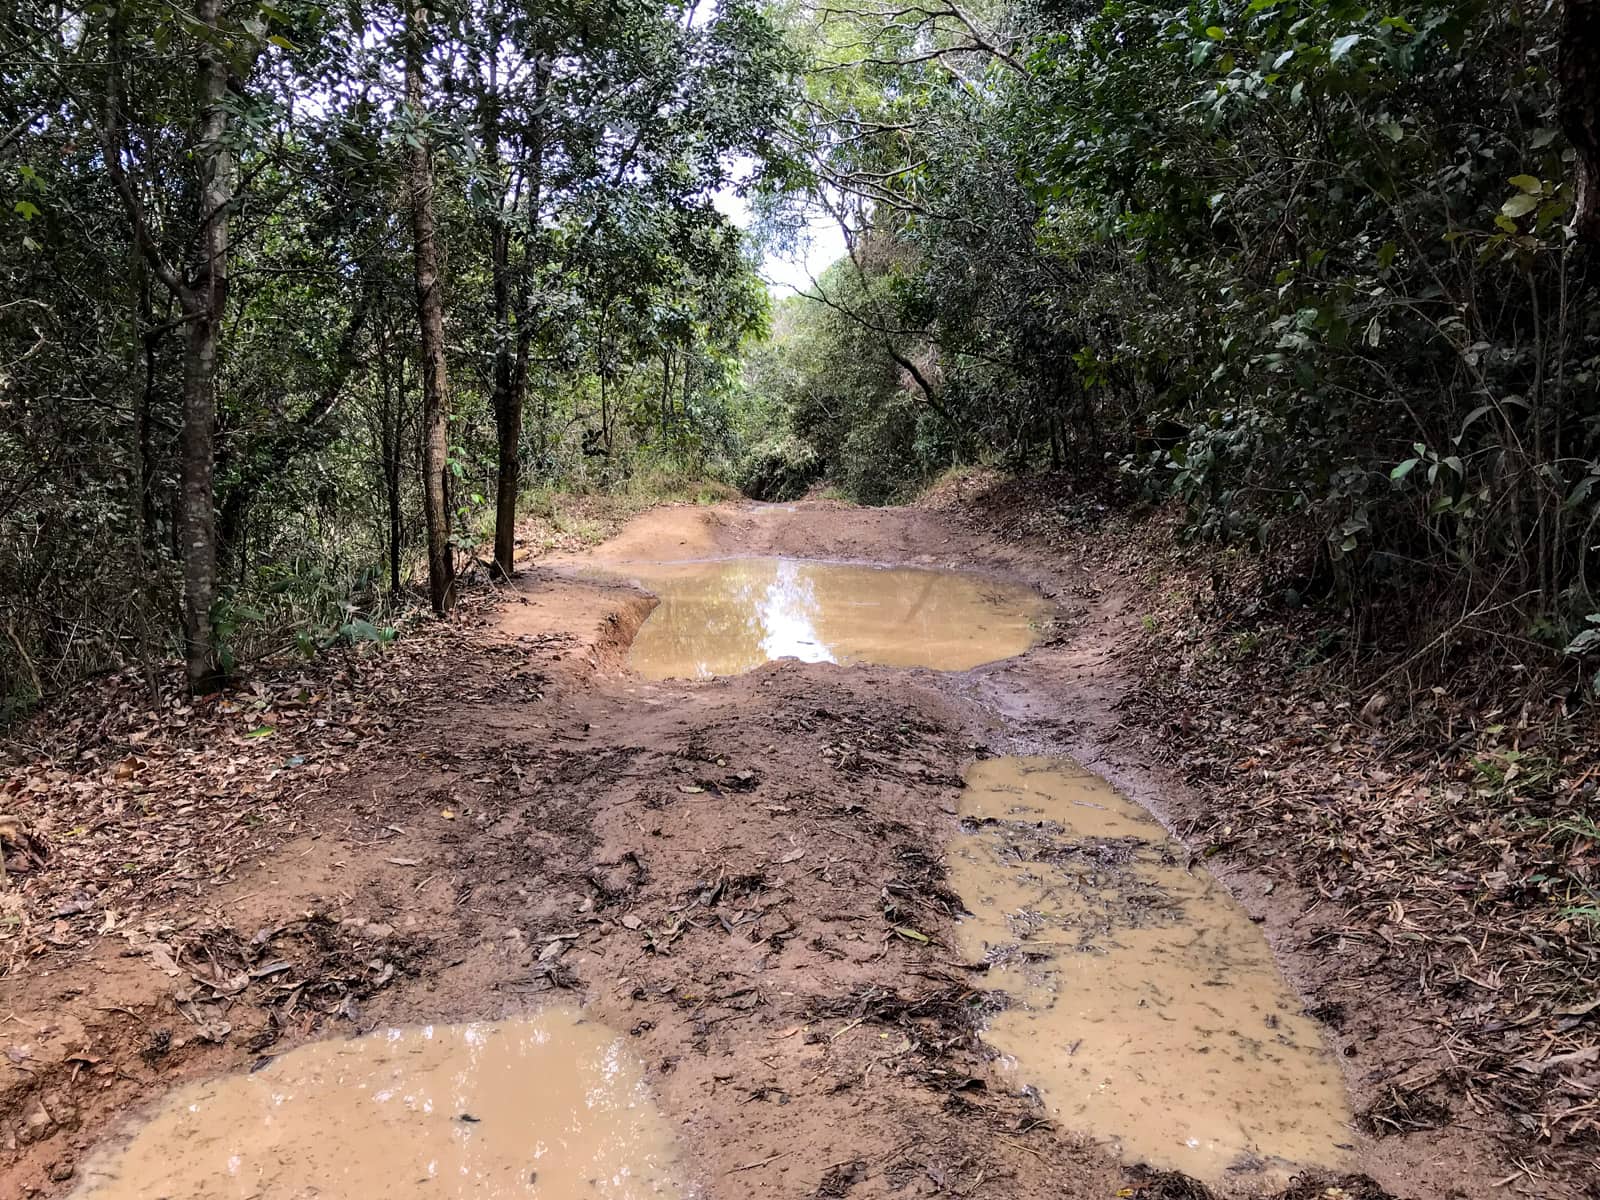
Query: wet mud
[
  {"x": 754, "y": 882},
  {"x": 1142, "y": 1003},
  {"x": 551, "y": 1106}
]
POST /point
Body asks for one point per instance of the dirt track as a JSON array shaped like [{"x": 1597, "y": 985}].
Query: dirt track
[{"x": 724, "y": 864}]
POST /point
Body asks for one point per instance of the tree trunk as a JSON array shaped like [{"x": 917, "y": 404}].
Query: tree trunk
[
  {"x": 392, "y": 480},
  {"x": 206, "y": 303},
  {"x": 391, "y": 435},
  {"x": 1578, "y": 69},
  {"x": 430, "y": 318},
  {"x": 506, "y": 402},
  {"x": 508, "y": 480},
  {"x": 141, "y": 389},
  {"x": 666, "y": 393}
]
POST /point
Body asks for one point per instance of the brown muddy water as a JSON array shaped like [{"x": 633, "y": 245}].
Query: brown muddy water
[
  {"x": 549, "y": 1106},
  {"x": 726, "y": 617},
  {"x": 1145, "y": 1007}
]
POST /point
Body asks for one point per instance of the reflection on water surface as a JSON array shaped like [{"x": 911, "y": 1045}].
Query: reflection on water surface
[{"x": 721, "y": 618}]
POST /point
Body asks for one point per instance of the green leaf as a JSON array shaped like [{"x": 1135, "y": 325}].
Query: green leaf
[
  {"x": 915, "y": 935},
  {"x": 1404, "y": 469},
  {"x": 26, "y": 209},
  {"x": 1471, "y": 417},
  {"x": 1552, "y": 210},
  {"x": 261, "y": 731},
  {"x": 1519, "y": 206},
  {"x": 1526, "y": 183},
  {"x": 1216, "y": 32},
  {"x": 1584, "y": 642},
  {"x": 282, "y": 43}
]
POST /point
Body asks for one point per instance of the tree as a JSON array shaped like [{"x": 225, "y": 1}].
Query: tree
[
  {"x": 589, "y": 122},
  {"x": 216, "y": 212},
  {"x": 200, "y": 287},
  {"x": 430, "y": 319}
]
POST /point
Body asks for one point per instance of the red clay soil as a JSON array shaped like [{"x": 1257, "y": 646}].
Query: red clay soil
[{"x": 495, "y": 813}]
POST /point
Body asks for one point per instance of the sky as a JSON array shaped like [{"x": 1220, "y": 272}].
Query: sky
[
  {"x": 786, "y": 273},
  {"x": 795, "y": 273}
]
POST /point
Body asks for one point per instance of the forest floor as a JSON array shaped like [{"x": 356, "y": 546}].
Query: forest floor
[{"x": 495, "y": 814}]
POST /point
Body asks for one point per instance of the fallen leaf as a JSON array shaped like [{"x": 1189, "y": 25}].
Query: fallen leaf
[{"x": 163, "y": 959}]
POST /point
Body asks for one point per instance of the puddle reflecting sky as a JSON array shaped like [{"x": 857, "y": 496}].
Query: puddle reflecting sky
[
  {"x": 1146, "y": 1006},
  {"x": 721, "y": 618},
  {"x": 550, "y": 1106}
]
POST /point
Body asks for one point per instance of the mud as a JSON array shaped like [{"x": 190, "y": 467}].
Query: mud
[
  {"x": 552, "y": 1106},
  {"x": 746, "y": 876},
  {"x": 1143, "y": 1004},
  {"x": 725, "y": 617}
]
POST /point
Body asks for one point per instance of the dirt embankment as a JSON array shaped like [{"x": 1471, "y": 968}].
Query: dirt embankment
[{"x": 745, "y": 874}]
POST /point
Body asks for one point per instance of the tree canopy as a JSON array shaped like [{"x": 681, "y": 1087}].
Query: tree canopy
[
  {"x": 301, "y": 300},
  {"x": 1322, "y": 271},
  {"x": 213, "y": 401}
]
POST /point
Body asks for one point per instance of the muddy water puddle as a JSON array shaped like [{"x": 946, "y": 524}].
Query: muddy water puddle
[
  {"x": 726, "y": 617},
  {"x": 1144, "y": 1005},
  {"x": 551, "y": 1106}
]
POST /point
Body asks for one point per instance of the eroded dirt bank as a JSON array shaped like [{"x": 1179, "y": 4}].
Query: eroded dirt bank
[{"x": 746, "y": 875}]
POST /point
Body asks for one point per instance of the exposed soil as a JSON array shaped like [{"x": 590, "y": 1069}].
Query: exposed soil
[{"x": 501, "y": 813}]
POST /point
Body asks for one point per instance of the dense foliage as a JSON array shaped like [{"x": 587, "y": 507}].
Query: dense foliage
[
  {"x": 238, "y": 180},
  {"x": 1309, "y": 265},
  {"x": 299, "y": 299}
]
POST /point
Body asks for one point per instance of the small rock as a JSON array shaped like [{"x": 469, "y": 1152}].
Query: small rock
[{"x": 37, "y": 1123}]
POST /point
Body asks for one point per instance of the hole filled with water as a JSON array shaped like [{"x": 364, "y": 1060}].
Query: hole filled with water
[
  {"x": 551, "y": 1106},
  {"x": 726, "y": 617},
  {"x": 1144, "y": 1005}
]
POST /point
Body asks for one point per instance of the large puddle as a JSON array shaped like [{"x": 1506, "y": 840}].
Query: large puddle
[
  {"x": 551, "y": 1106},
  {"x": 1146, "y": 1008},
  {"x": 725, "y": 617}
]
